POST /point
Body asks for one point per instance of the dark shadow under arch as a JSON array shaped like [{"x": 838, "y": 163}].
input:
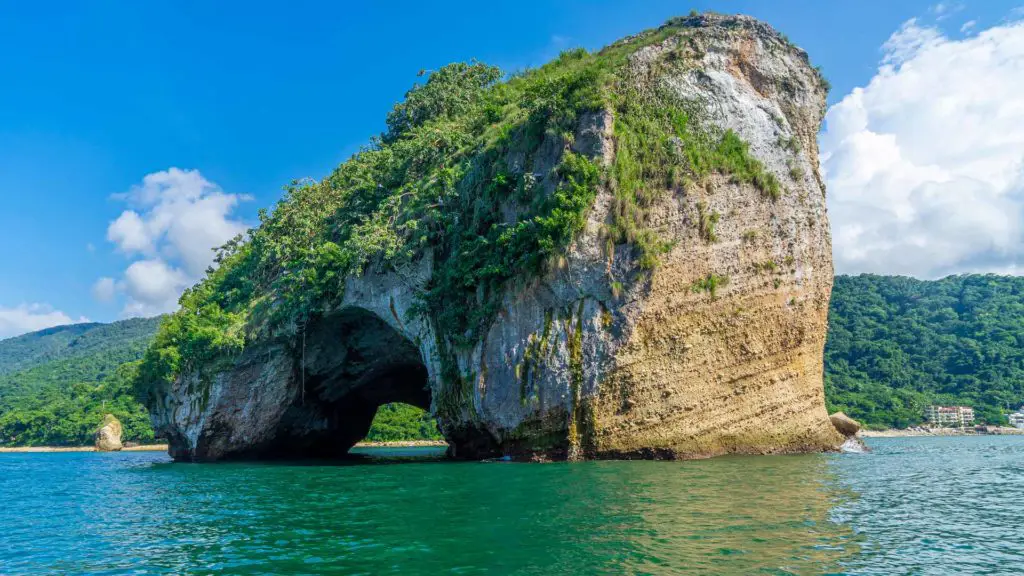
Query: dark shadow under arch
[{"x": 352, "y": 363}]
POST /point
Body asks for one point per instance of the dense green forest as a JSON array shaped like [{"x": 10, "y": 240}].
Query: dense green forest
[
  {"x": 56, "y": 384},
  {"x": 79, "y": 352},
  {"x": 894, "y": 346},
  {"x": 897, "y": 344}
]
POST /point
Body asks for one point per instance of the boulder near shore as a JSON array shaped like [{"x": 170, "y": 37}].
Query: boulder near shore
[
  {"x": 621, "y": 254},
  {"x": 108, "y": 436},
  {"x": 844, "y": 424}
]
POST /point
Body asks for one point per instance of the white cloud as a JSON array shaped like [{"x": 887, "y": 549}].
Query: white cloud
[
  {"x": 174, "y": 221},
  {"x": 944, "y": 10},
  {"x": 925, "y": 165},
  {"x": 153, "y": 287},
  {"x": 130, "y": 234},
  {"x": 31, "y": 317},
  {"x": 104, "y": 290},
  {"x": 968, "y": 26}
]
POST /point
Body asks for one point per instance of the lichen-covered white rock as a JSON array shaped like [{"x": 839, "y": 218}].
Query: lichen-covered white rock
[
  {"x": 719, "y": 350},
  {"x": 108, "y": 436}
]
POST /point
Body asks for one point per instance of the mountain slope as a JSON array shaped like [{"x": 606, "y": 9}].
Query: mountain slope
[
  {"x": 897, "y": 344},
  {"x": 56, "y": 357},
  {"x": 36, "y": 347},
  {"x": 56, "y": 384}
]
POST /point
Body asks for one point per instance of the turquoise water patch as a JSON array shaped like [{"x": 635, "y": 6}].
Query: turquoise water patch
[{"x": 914, "y": 505}]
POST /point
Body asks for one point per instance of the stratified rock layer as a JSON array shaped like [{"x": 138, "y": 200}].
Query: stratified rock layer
[{"x": 719, "y": 350}]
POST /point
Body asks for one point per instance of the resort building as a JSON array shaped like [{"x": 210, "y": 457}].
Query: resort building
[
  {"x": 949, "y": 416},
  {"x": 1017, "y": 418}
]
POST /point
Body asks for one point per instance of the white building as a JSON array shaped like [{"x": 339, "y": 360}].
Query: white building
[
  {"x": 1017, "y": 418},
  {"x": 949, "y": 416}
]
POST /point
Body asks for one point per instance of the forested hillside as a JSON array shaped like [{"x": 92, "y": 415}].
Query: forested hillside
[
  {"x": 402, "y": 422},
  {"x": 56, "y": 384},
  {"x": 55, "y": 357},
  {"x": 896, "y": 344}
]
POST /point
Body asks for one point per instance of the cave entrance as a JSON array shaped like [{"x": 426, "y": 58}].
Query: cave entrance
[{"x": 352, "y": 363}]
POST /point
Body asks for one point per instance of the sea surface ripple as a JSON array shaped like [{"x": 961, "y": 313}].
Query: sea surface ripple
[{"x": 951, "y": 505}]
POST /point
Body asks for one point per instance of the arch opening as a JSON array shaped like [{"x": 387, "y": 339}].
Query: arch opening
[
  {"x": 351, "y": 363},
  {"x": 400, "y": 422}
]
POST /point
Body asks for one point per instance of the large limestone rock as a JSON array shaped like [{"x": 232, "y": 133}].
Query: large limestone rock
[
  {"x": 108, "y": 436},
  {"x": 575, "y": 366},
  {"x": 844, "y": 424}
]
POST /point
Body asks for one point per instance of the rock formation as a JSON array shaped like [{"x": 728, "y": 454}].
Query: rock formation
[
  {"x": 844, "y": 424},
  {"x": 108, "y": 436},
  {"x": 716, "y": 348}
]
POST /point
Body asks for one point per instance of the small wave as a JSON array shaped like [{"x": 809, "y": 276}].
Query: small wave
[{"x": 854, "y": 445}]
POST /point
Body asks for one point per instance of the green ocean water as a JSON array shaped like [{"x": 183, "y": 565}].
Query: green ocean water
[{"x": 913, "y": 506}]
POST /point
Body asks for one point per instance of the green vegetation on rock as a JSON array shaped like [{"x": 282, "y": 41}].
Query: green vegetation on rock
[
  {"x": 710, "y": 284},
  {"x": 480, "y": 170}
]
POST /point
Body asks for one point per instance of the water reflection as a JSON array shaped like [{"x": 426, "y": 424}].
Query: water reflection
[
  {"x": 724, "y": 516},
  {"x": 913, "y": 506}
]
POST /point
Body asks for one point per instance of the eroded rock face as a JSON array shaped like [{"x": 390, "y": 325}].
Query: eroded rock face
[
  {"x": 666, "y": 365},
  {"x": 108, "y": 436}
]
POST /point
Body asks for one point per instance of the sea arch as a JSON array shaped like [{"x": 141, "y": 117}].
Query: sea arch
[{"x": 348, "y": 365}]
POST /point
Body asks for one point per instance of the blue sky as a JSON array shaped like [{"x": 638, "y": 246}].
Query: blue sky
[{"x": 98, "y": 95}]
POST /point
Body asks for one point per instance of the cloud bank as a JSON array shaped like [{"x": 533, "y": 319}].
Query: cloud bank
[
  {"x": 175, "y": 218},
  {"x": 31, "y": 317},
  {"x": 925, "y": 165}
]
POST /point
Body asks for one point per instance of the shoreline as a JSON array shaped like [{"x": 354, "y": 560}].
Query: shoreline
[
  {"x": 403, "y": 444},
  {"x": 908, "y": 433},
  {"x": 891, "y": 433},
  {"x": 41, "y": 449},
  {"x": 163, "y": 447}
]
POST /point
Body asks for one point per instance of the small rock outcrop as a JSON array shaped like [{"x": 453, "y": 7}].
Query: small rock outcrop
[
  {"x": 108, "y": 436},
  {"x": 628, "y": 258},
  {"x": 844, "y": 424}
]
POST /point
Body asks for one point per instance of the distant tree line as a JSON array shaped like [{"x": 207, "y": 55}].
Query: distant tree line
[{"x": 897, "y": 344}]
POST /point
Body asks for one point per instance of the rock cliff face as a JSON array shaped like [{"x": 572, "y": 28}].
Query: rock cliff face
[{"x": 716, "y": 350}]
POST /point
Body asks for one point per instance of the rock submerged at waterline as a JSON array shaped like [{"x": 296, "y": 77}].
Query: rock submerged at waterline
[
  {"x": 849, "y": 428},
  {"x": 623, "y": 254},
  {"x": 108, "y": 436}
]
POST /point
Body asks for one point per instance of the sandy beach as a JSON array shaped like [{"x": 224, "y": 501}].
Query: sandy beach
[
  {"x": 143, "y": 448},
  {"x": 403, "y": 444},
  {"x": 938, "y": 432},
  {"x": 163, "y": 447}
]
